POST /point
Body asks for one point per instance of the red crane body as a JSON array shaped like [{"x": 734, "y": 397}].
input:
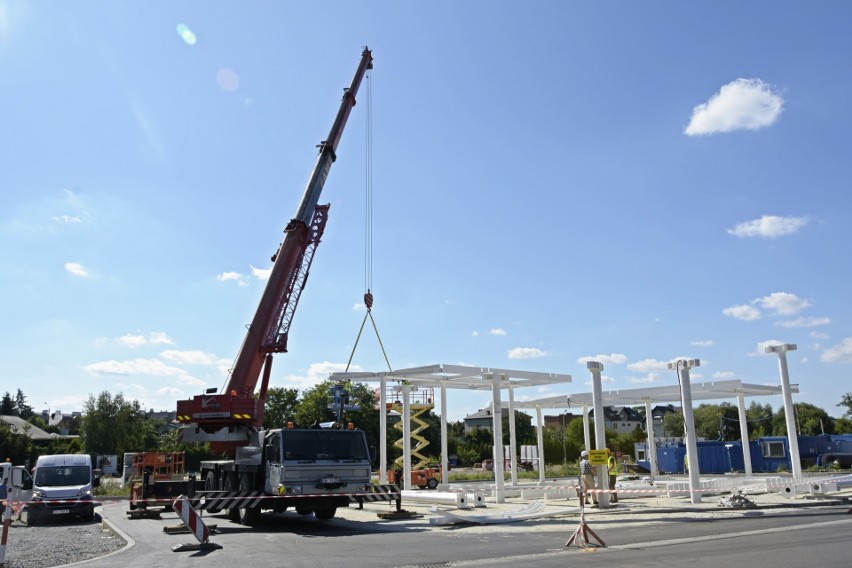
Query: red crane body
[{"x": 229, "y": 417}]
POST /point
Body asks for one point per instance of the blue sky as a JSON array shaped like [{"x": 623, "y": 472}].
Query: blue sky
[{"x": 552, "y": 182}]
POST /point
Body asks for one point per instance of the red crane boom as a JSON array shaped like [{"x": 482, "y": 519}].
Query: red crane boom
[{"x": 232, "y": 415}]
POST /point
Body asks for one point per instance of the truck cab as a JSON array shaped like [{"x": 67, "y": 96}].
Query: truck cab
[{"x": 61, "y": 486}]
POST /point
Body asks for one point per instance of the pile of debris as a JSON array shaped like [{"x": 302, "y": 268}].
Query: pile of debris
[{"x": 737, "y": 501}]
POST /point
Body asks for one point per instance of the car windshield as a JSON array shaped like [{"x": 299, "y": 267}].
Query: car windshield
[
  {"x": 62, "y": 476},
  {"x": 323, "y": 444}
]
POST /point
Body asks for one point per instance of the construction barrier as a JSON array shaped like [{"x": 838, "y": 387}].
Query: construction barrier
[
  {"x": 191, "y": 519},
  {"x": 7, "y": 520}
]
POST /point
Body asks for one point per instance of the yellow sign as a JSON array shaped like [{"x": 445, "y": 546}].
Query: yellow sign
[{"x": 597, "y": 457}]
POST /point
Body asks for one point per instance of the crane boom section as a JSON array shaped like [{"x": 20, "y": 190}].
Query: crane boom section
[{"x": 268, "y": 330}]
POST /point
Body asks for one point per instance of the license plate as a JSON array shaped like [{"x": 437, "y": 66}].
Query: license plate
[{"x": 61, "y": 511}]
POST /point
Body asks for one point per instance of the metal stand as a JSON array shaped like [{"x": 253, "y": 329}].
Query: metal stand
[{"x": 581, "y": 534}]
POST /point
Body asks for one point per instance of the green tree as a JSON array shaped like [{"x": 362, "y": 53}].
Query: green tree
[
  {"x": 280, "y": 408},
  {"x": 113, "y": 425},
  {"x": 17, "y": 448},
  {"x": 843, "y": 426},
  {"x": 7, "y": 406},
  {"x": 810, "y": 421},
  {"x": 845, "y": 401},
  {"x": 313, "y": 407},
  {"x": 22, "y": 409}
]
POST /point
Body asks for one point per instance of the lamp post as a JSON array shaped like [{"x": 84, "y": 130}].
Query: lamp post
[
  {"x": 789, "y": 411},
  {"x": 48, "y": 413}
]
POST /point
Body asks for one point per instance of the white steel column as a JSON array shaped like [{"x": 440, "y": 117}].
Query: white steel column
[
  {"x": 744, "y": 432},
  {"x": 600, "y": 432},
  {"x": 587, "y": 436},
  {"x": 496, "y": 420},
  {"x": 406, "y": 436},
  {"x": 540, "y": 441},
  {"x": 513, "y": 458},
  {"x": 383, "y": 431},
  {"x": 445, "y": 460},
  {"x": 652, "y": 445},
  {"x": 682, "y": 367},
  {"x": 789, "y": 411}
]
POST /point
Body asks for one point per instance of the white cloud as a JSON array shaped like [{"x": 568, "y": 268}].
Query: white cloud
[
  {"x": 475, "y": 333},
  {"x": 497, "y": 331},
  {"x": 260, "y": 273},
  {"x": 783, "y": 303},
  {"x": 703, "y": 343},
  {"x": 171, "y": 391},
  {"x": 720, "y": 375},
  {"x": 648, "y": 366},
  {"x": 132, "y": 341},
  {"x": 153, "y": 338},
  {"x": 70, "y": 219},
  {"x": 525, "y": 353},
  {"x": 649, "y": 378},
  {"x": 809, "y": 321},
  {"x": 612, "y": 358},
  {"x": 235, "y": 276},
  {"x": 77, "y": 269},
  {"x": 316, "y": 373},
  {"x": 152, "y": 367},
  {"x": 742, "y": 312},
  {"x": 768, "y": 227},
  {"x": 840, "y": 353},
  {"x": 819, "y": 335},
  {"x": 743, "y": 104},
  {"x": 195, "y": 357}
]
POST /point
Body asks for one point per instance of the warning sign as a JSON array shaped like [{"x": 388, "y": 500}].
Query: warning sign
[{"x": 597, "y": 457}]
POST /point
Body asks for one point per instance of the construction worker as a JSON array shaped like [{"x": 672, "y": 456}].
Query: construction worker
[
  {"x": 613, "y": 470},
  {"x": 587, "y": 472},
  {"x": 686, "y": 463}
]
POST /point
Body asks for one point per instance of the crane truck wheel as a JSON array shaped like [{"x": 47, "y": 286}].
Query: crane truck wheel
[
  {"x": 249, "y": 516},
  {"x": 229, "y": 484},
  {"x": 302, "y": 511},
  {"x": 325, "y": 513},
  {"x": 210, "y": 485},
  {"x": 432, "y": 483}
]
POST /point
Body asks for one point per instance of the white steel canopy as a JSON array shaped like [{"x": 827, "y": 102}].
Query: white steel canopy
[
  {"x": 713, "y": 390},
  {"x": 454, "y": 377}
]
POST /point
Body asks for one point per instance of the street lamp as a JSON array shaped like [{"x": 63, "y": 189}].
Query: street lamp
[{"x": 789, "y": 411}]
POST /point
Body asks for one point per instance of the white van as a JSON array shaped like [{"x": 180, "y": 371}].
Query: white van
[{"x": 61, "y": 486}]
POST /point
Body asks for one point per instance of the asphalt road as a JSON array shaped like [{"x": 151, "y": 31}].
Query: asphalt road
[{"x": 785, "y": 537}]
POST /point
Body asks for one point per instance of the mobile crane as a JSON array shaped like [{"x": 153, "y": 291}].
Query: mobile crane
[{"x": 313, "y": 470}]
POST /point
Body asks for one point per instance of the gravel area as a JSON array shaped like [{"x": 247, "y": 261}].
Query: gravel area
[{"x": 56, "y": 543}]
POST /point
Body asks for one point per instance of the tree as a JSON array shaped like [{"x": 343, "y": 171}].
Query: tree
[
  {"x": 846, "y": 401},
  {"x": 810, "y": 421},
  {"x": 7, "y": 406},
  {"x": 313, "y": 408},
  {"x": 113, "y": 425},
  {"x": 22, "y": 409},
  {"x": 280, "y": 407}
]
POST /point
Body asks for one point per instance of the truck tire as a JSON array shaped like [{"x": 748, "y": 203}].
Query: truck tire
[
  {"x": 432, "y": 483},
  {"x": 325, "y": 513},
  {"x": 210, "y": 485},
  {"x": 249, "y": 516},
  {"x": 302, "y": 511},
  {"x": 229, "y": 484}
]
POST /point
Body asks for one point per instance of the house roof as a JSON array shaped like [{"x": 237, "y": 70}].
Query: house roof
[{"x": 21, "y": 426}]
